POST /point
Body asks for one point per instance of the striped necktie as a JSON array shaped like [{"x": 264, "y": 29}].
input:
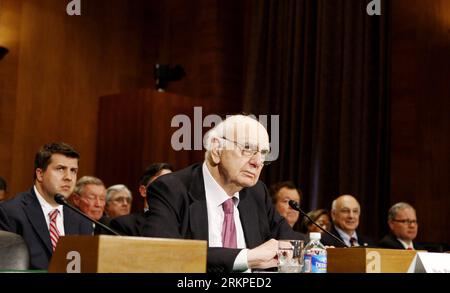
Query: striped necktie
[
  {"x": 353, "y": 242},
  {"x": 54, "y": 233}
]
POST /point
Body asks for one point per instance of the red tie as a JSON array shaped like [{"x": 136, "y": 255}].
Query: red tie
[
  {"x": 353, "y": 241},
  {"x": 54, "y": 233},
  {"x": 228, "y": 227},
  {"x": 409, "y": 248}
]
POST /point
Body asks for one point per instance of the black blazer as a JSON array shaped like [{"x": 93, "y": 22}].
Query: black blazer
[
  {"x": 130, "y": 225},
  {"x": 363, "y": 240},
  {"x": 390, "y": 241},
  {"x": 177, "y": 209},
  {"x": 23, "y": 215}
]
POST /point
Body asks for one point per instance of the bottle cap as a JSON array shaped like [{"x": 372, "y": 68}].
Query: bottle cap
[{"x": 314, "y": 236}]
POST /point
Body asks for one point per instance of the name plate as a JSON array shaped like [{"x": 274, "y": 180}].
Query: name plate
[{"x": 430, "y": 262}]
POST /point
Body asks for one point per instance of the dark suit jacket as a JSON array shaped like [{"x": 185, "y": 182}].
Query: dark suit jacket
[
  {"x": 390, "y": 241},
  {"x": 177, "y": 209},
  {"x": 98, "y": 230},
  {"x": 363, "y": 240},
  {"x": 130, "y": 225},
  {"x": 23, "y": 215}
]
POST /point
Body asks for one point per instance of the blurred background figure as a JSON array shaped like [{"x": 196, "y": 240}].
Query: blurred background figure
[
  {"x": 321, "y": 217},
  {"x": 345, "y": 212},
  {"x": 118, "y": 201},
  {"x": 150, "y": 174},
  {"x": 89, "y": 196},
  {"x": 132, "y": 224},
  {"x": 281, "y": 194},
  {"x": 403, "y": 228},
  {"x": 3, "y": 190}
]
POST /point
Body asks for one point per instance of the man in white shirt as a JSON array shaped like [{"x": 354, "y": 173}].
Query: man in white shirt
[
  {"x": 222, "y": 200},
  {"x": 35, "y": 215}
]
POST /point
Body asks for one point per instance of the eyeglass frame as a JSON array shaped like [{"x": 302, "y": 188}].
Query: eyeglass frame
[
  {"x": 122, "y": 199},
  {"x": 406, "y": 221},
  {"x": 245, "y": 148}
]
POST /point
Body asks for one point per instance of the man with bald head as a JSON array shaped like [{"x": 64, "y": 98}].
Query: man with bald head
[
  {"x": 345, "y": 212},
  {"x": 222, "y": 200}
]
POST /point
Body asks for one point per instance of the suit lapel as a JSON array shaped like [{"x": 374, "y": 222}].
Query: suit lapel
[
  {"x": 198, "y": 215},
  {"x": 36, "y": 217},
  {"x": 70, "y": 227},
  {"x": 249, "y": 219}
]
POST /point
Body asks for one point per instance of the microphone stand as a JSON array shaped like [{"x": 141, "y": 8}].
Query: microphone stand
[
  {"x": 293, "y": 204},
  {"x": 62, "y": 200}
]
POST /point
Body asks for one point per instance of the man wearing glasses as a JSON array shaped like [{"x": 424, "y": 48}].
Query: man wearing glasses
[
  {"x": 222, "y": 200},
  {"x": 403, "y": 227}
]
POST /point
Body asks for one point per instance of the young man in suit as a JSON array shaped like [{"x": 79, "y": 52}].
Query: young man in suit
[
  {"x": 35, "y": 215},
  {"x": 222, "y": 200},
  {"x": 403, "y": 227},
  {"x": 345, "y": 212}
]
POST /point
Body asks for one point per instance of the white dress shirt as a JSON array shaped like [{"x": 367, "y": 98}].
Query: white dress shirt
[
  {"x": 47, "y": 208},
  {"x": 405, "y": 244},
  {"x": 215, "y": 196},
  {"x": 346, "y": 238}
]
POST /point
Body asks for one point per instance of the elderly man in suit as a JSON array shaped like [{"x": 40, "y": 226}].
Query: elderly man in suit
[
  {"x": 222, "y": 200},
  {"x": 345, "y": 212},
  {"x": 403, "y": 227},
  {"x": 35, "y": 215}
]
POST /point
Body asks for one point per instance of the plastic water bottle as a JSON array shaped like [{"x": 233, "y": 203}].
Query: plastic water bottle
[{"x": 315, "y": 256}]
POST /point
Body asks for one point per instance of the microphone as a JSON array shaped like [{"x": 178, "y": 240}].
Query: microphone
[
  {"x": 62, "y": 200},
  {"x": 293, "y": 204}
]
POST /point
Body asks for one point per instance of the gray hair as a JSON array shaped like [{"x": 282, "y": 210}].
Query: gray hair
[
  {"x": 219, "y": 131},
  {"x": 116, "y": 188},
  {"x": 86, "y": 180},
  {"x": 392, "y": 213}
]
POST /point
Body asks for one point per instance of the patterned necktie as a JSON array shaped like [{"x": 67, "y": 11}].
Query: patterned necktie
[
  {"x": 353, "y": 242},
  {"x": 54, "y": 233},
  {"x": 228, "y": 227}
]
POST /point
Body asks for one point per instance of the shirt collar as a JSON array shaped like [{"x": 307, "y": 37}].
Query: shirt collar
[
  {"x": 213, "y": 191},
  {"x": 46, "y": 207},
  {"x": 345, "y": 236},
  {"x": 405, "y": 244}
]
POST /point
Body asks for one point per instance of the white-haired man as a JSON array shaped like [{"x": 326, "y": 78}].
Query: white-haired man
[
  {"x": 223, "y": 201},
  {"x": 118, "y": 201}
]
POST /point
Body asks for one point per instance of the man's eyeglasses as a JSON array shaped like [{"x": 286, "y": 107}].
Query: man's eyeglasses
[
  {"x": 121, "y": 199},
  {"x": 406, "y": 221},
  {"x": 248, "y": 152}
]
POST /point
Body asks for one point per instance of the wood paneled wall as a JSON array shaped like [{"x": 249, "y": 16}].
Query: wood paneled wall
[
  {"x": 60, "y": 65},
  {"x": 420, "y": 107},
  {"x": 57, "y": 68}
]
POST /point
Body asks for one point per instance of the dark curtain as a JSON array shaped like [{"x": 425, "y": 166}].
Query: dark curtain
[{"x": 321, "y": 66}]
